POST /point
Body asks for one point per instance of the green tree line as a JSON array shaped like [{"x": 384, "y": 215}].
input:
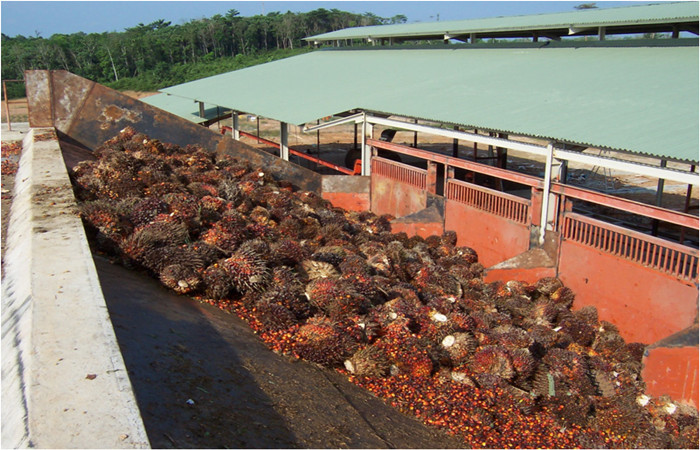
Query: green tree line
[{"x": 159, "y": 54}]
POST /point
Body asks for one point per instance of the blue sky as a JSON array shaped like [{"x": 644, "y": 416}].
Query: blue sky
[{"x": 46, "y": 18}]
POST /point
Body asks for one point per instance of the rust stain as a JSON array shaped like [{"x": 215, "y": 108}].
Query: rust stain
[{"x": 113, "y": 113}]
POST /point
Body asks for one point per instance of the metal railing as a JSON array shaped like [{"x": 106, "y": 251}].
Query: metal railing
[
  {"x": 302, "y": 155},
  {"x": 495, "y": 202},
  {"x": 7, "y": 101},
  {"x": 402, "y": 173},
  {"x": 664, "y": 256}
]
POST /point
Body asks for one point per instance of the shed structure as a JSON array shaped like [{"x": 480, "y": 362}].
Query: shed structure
[
  {"x": 555, "y": 101},
  {"x": 664, "y": 17}
]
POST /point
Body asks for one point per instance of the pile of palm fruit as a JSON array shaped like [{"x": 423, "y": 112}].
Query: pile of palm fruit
[{"x": 410, "y": 319}]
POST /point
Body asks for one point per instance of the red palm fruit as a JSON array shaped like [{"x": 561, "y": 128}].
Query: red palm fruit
[
  {"x": 570, "y": 370},
  {"x": 288, "y": 252},
  {"x": 260, "y": 231},
  {"x": 433, "y": 325},
  {"x": 459, "y": 347},
  {"x": 512, "y": 337},
  {"x": 146, "y": 210},
  {"x": 581, "y": 332},
  {"x": 179, "y": 278},
  {"x": 217, "y": 282},
  {"x": 588, "y": 314},
  {"x": 369, "y": 361},
  {"x": 290, "y": 227},
  {"x": 292, "y": 298},
  {"x": 247, "y": 271},
  {"x": 183, "y": 206},
  {"x": 563, "y": 296},
  {"x": 228, "y": 233},
  {"x": 321, "y": 341},
  {"x": 315, "y": 270},
  {"x": 199, "y": 189},
  {"x": 492, "y": 359},
  {"x": 544, "y": 312},
  {"x": 548, "y": 285},
  {"x": 524, "y": 365},
  {"x": 273, "y": 316}
]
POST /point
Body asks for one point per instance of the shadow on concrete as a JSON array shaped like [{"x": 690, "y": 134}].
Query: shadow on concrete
[{"x": 244, "y": 395}]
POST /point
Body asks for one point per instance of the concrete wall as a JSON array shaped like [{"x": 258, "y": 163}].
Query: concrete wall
[{"x": 64, "y": 382}]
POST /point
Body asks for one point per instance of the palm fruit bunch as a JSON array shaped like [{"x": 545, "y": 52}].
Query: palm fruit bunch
[{"x": 409, "y": 318}]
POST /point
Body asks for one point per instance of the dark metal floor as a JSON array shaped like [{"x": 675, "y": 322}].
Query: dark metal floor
[{"x": 202, "y": 378}]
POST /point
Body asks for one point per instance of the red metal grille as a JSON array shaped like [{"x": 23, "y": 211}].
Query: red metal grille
[
  {"x": 668, "y": 257},
  {"x": 399, "y": 172},
  {"x": 498, "y": 203}
]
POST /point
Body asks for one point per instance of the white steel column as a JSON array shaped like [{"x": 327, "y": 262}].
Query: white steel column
[
  {"x": 366, "y": 155},
  {"x": 284, "y": 141},
  {"x": 545, "y": 195},
  {"x": 236, "y": 126}
]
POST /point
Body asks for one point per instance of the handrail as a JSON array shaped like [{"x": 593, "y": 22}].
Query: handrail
[
  {"x": 653, "y": 212},
  {"x": 670, "y": 257},
  {"x": 300, "y": 154},
  {"x": 527, "y": 180}
]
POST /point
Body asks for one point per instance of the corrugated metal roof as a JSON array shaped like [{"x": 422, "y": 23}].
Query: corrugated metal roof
[
  {"x": 183, "y": 107},
  {"x": 639, "y": 99},
  {"x": 629, "y": 15}
]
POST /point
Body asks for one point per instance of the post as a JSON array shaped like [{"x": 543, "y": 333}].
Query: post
[
  {"x": 201, "y": 109},
  {"x": 318, "y": 140},
  {"x": 601, "y": 33},
  {"x": 415, "y": 136},
  {"x": 355, "y": 137},
  {"x": 366, "y": 149},
  {"x": 449, "y": 175},
  {"x": 284, "y": 141},
  {"x": 659, "y": 201},
  {"x": 545, "y": 194},
  {"x": 7, "y": 106},
  {"x": 431, "y": 178},
  {"x": 688, "y": 196},
  {"x": 257, "y": 119},
  {"x": 455, "y": 145},
  {"x": 236, "y": 126}
]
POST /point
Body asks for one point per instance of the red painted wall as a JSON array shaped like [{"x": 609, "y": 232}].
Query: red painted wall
[
  {"x": 672, "y": 371},
  {"x": 423, "y": 230},
  {"x": 644, "y": 304},
  {"x": 494, "y": 238},
  {"x": 527, "y": 275},
  {"x": 395, "y": 198},
  {"x": 348, "y": 200}
]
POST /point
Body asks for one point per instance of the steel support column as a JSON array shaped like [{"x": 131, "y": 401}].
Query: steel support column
[
  {"x": 366, "y": 149},
  {"x": 236, "y": 129},
  {"x": 545, "y": 195},
  {"x": 284, "y": 141}
]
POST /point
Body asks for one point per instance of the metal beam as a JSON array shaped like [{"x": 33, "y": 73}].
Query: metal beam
[
  {"x": 463, "y": 135},
  {"x": 616, "y": 164},
  {"x": 636, "y": 168},
  {"x": 357, "y": 118}
]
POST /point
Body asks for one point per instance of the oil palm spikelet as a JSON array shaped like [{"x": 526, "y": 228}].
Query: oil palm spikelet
[{"x": 247, "y": 270}]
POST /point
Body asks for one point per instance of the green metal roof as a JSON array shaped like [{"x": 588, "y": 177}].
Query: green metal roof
[
  {"x": 665, "y": 13},
  {"x": 183, "y": 107},
  {"x": 639, "y": 99}
]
